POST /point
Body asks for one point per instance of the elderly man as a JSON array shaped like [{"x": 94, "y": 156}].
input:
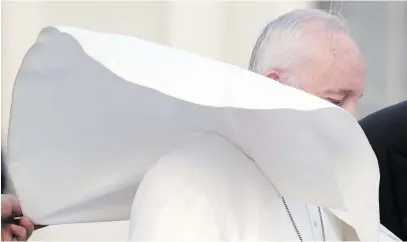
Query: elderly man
[
  {"x": 199, "y": 195},
  {"x": 312, "y": 51}
]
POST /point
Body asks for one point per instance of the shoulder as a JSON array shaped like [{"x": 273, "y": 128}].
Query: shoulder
[
  {"x": 180, "y": 195},
  {"x": 203, "y": 164},
  {"x": 386, "y": 127},
  {"x": 208, "y": 170},
  {"x": 201, "y": 157},
  {"x": 198, "y": 191}
]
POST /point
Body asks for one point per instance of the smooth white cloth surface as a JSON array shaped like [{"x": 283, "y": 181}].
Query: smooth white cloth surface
[{"x": 92, "y": 112}]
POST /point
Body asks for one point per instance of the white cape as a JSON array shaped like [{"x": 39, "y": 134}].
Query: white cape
[{"x": 92, "y": 112}]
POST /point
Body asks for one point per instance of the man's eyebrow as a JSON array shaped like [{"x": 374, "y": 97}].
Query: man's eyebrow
[
  {"x": 344, "y": 91},
  {"x": 347, "y": 91}
]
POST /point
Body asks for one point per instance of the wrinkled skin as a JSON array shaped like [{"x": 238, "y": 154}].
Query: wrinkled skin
[{"x": 334, "y": 69}]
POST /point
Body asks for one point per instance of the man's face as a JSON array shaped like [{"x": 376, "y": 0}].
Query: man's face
[{"x": 336, "y": 74}]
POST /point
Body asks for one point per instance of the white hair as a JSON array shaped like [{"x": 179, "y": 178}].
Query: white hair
[{"x": 279, "y": 45}]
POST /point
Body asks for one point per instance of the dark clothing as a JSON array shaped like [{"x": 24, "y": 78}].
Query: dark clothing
[{"x": 387, "y": 134}]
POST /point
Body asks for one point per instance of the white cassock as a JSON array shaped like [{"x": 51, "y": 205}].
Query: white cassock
[
  {"x": 214, "y": 146},
  {"x": 209, "y": 189}
]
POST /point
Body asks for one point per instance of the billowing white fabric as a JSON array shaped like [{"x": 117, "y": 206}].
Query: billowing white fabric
[{"x": 91, "y": 112}]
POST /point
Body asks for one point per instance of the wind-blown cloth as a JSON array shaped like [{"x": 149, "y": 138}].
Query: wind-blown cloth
[{"x": 91, "y": 112}]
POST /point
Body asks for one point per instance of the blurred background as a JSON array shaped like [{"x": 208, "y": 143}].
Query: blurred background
[{"x": 225, "y": 31}]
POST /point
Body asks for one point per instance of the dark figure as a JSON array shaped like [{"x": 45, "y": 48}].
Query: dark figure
[{"x": 387, "y": 134}]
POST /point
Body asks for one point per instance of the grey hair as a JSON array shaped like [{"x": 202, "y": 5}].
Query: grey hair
[{"x": 278, "y": 46}]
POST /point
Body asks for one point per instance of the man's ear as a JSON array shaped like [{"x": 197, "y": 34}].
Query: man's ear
[{"x": 275, "y": 75}]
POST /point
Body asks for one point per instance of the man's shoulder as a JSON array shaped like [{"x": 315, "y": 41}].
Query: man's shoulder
[
  {"x": 387, "y": 125},
  {"x": 207, "y": 163},
  {"x": 206, "y": 171},
  {"x": 205, "y": 182},
  {"x": 203, "y": 156},
  {"x": 386, "y": 130}
]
